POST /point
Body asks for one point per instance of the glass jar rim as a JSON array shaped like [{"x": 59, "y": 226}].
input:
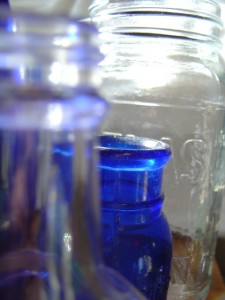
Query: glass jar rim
[
  {"x": 204, "y": 8},
  {"x": 191, "y": 19}
]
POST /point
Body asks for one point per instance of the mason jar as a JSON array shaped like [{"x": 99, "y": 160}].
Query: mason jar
[{"x": 165, "y": 79}]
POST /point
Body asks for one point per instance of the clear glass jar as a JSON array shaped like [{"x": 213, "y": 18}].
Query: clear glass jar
[
  {"x": 165, "y": 80},
  {"x": 50, "y": 110}
]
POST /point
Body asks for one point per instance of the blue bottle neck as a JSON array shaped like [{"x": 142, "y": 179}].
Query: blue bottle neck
[
  {"x": 135, "y": 196},
  {"x": 131, "y": 188},
  {"x": 131, "y": 175}
]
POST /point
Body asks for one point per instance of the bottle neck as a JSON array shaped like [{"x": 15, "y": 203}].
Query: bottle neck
[
  {"x": 131, "y": 176},
  {"x": 130, "y": 188},
  {"x": 136, "y": 193}
]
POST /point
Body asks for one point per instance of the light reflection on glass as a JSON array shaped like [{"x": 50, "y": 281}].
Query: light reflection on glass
[
  {"x": 55, "y": 115},
  {"x": 63, "y": 74},
  {"x": 68, "y": 241}
]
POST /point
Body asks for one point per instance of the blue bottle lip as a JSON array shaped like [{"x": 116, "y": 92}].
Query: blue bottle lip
[{"x": 130, "y": 153}]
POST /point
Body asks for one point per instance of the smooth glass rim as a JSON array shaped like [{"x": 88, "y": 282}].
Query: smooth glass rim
[{"x": 130, "y": 143}]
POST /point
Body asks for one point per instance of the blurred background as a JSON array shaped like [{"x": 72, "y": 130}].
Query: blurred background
[{"x": 78, "y": 8}]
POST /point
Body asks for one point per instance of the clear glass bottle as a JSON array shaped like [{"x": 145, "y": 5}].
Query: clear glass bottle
[
  {"x": 49, "y": 217},
  {"x": 136, "y": 235},
  {"x": 164, "y": 77}
]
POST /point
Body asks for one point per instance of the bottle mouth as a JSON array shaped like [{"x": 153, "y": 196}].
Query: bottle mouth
[
  {"x": 130, "y": 153},
  {"x": 191, "y": 19},
  {"x": 130, "y": 143}
]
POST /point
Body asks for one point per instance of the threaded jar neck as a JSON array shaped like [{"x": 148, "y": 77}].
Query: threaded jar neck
[{"x": 191, "y": 19}]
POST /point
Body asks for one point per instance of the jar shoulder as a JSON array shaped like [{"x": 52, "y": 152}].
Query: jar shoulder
[{"x": 170, "y": 81}]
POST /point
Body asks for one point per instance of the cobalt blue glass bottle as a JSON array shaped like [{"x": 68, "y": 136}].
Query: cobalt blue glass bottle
[{"x": 136, "y": 236}]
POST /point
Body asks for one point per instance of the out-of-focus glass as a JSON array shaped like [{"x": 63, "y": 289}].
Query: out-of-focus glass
[
  {"x": 50, "y": 110},
  {"x": 165, "y": 80},
  {"x": 75, "y": 8}
]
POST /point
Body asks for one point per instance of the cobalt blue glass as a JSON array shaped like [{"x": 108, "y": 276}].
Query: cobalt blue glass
[
  {"x": 136, "y": 236},
  {"x": 4, "y": 3}
]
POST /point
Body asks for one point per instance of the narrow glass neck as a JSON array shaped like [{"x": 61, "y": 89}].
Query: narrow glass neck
[
  {"x": 131, "y": 173},
  {"x": 130, "y": 188},
  {"x": 137, "y": 193}
]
